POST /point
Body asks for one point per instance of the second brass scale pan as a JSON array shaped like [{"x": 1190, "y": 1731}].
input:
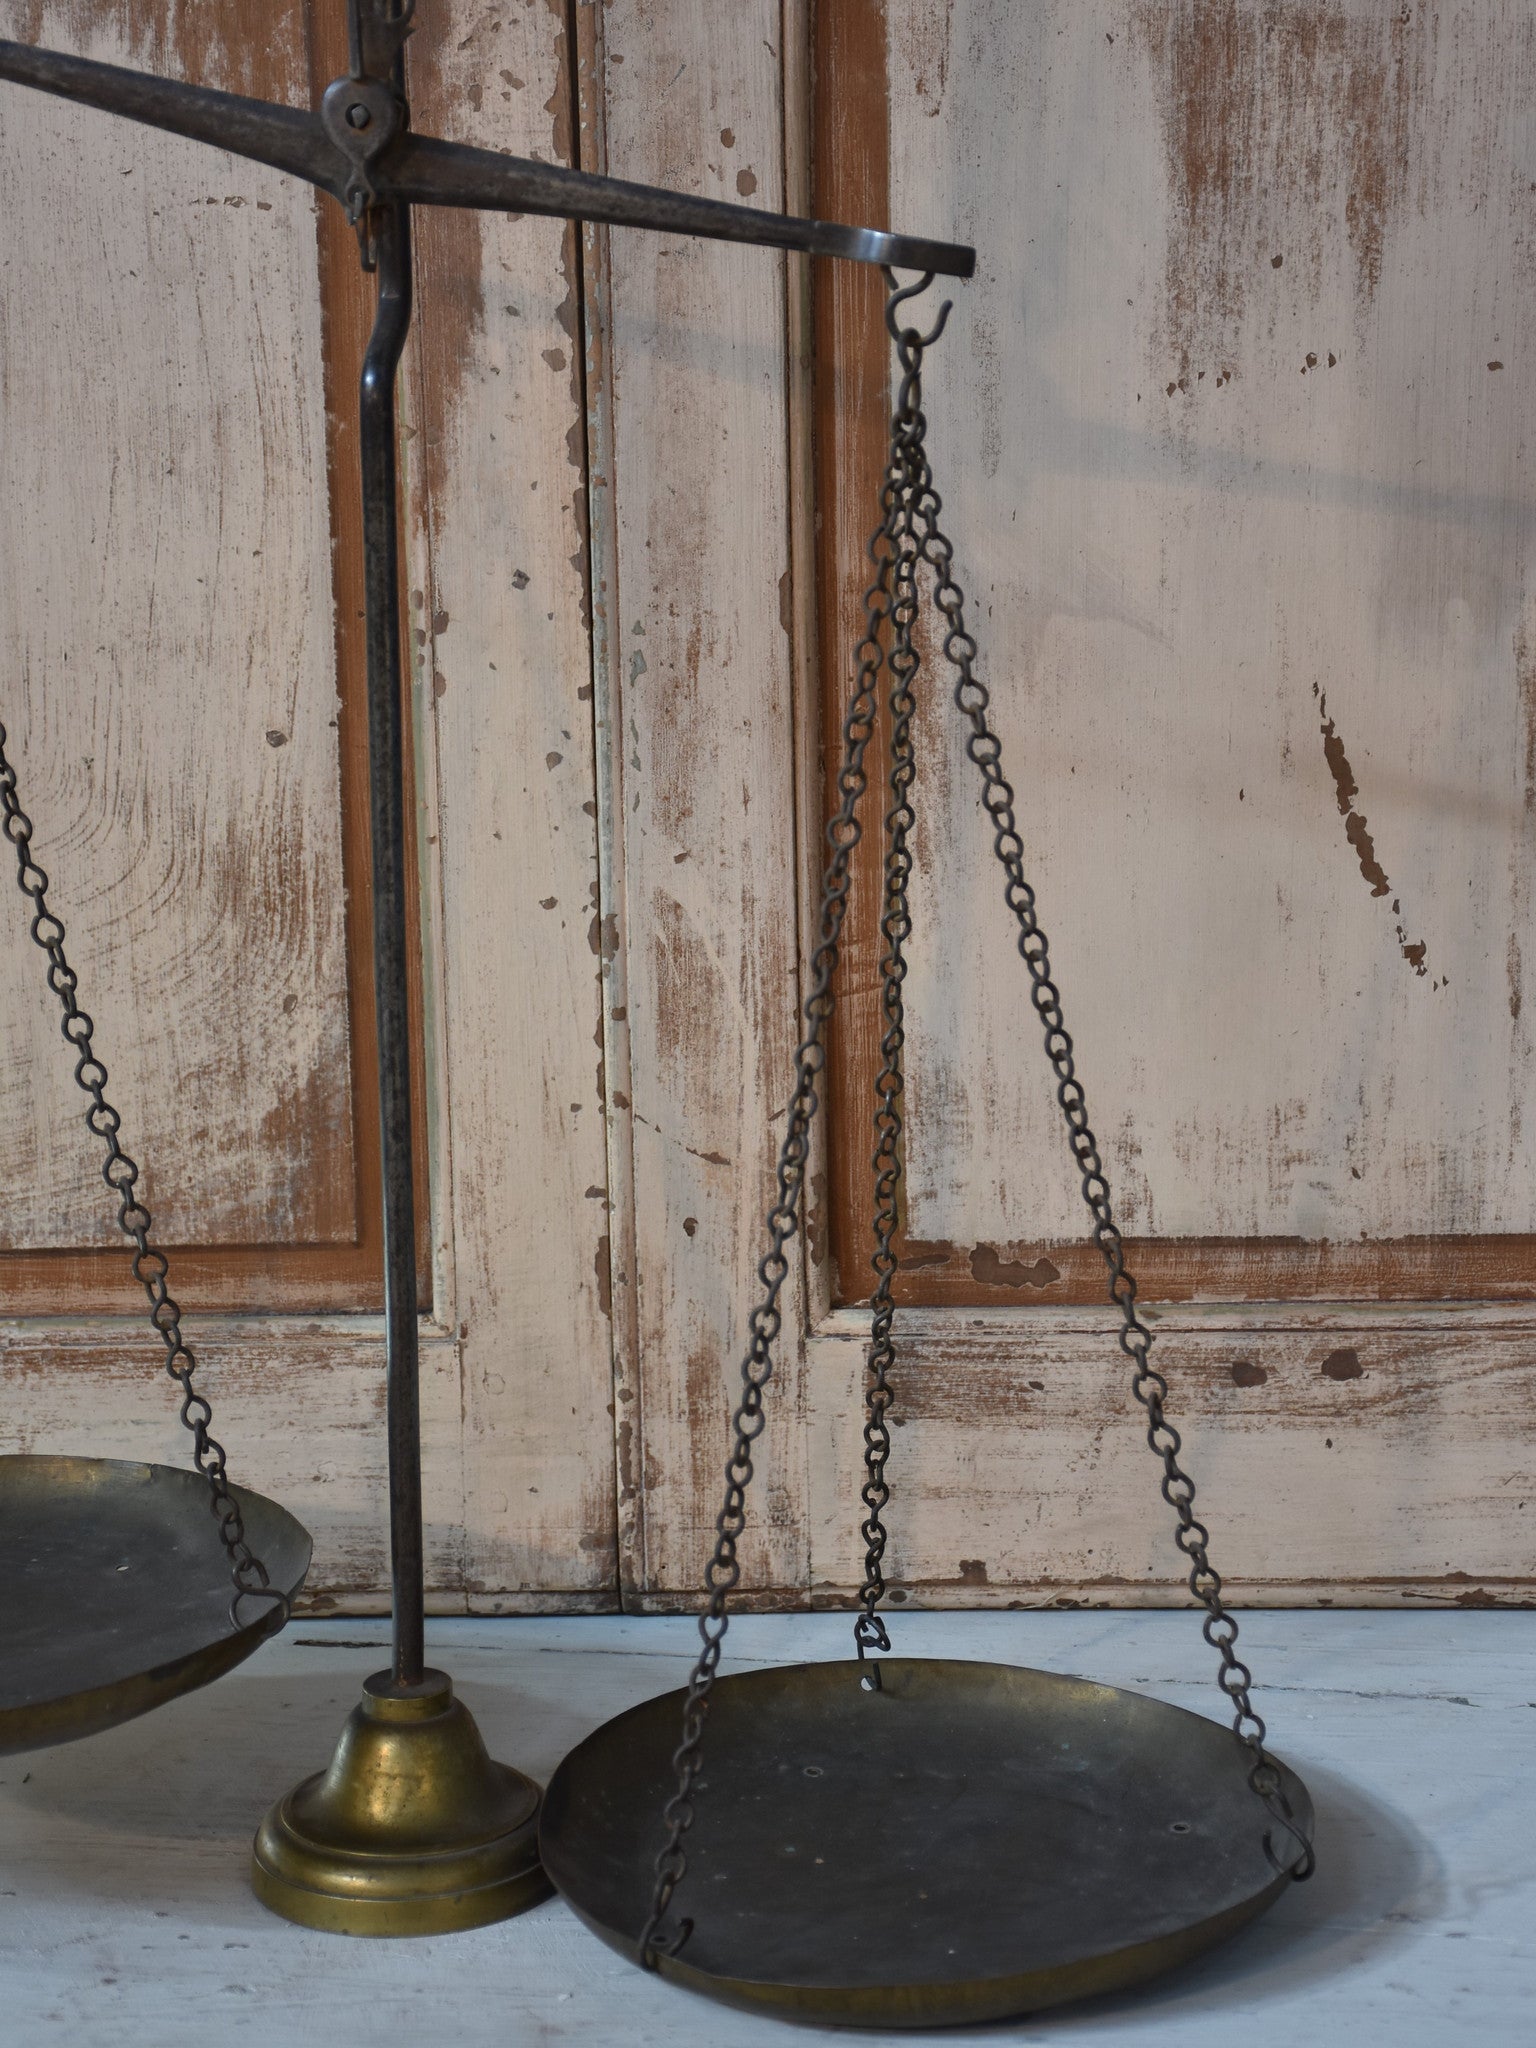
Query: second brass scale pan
[{"x": 970, "y": 1842}]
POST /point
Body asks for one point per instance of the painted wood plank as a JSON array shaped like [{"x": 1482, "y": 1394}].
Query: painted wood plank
[
  {"x": 1374, "y": 1460},
  {"x": 699, "y": 605},
  {"x": 497, "y": 491},
  {"x": 1231, "y": 431},
  {"x": 299, "y": 1407},
  {"x": 170, "y": 693}
]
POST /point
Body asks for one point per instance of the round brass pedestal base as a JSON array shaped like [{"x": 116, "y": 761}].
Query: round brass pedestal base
[{"x": 413, "y": 1829}]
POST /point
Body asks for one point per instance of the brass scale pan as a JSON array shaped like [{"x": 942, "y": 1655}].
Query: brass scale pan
[
  {"x": 115, "y": 1592},
  {"x": 971, "y": 1842}
]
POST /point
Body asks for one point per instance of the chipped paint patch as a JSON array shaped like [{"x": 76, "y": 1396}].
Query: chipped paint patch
[
  {"x": 1356, "y": 831},
  {"x": 1347, "y": 789},
  {"x": 1282, "y": 128},
  {"x": 993, "y": 1271},
  {"x": 925, "y": 31},
  {"x": 1343, "y": 1364}
]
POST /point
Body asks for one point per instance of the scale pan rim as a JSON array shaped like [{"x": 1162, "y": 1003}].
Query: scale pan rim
[
  {"x": 581, "y": 1863},
  {"x": 132, "y": 1686}
]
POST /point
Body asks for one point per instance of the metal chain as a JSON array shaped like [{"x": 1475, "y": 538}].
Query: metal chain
[
  {"x": 869, "y": 1632},
  {"x": 724, "y": 1570},
  {"x": 909, "y": 533},
  {"x": 121, "y": 1173},
  {"x": 973, "y": 699}
]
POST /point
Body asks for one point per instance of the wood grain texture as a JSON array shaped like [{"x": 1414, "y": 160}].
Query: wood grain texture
[
  {"x": 1246, "y": 532},
  {"x": 517, "y": 1378},
  {"x": 320, "y": 1449},
  {"x": 698, "y": 598},
  {"x": 608, "y": 684},
  {"x": 1261, "y": 643},
  {"x": 497, "y": 491},
  {"x": 850, "y": 170},
  {"x": 171, "y": 696},
  {"x": 1369, "y": 1461}
]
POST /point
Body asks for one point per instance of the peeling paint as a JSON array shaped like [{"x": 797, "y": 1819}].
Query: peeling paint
[
  {"x": 992, "y": 1271},
  {"x": 1343, "y": 1365},
  {"x": 603, "y": 1272},
  {"x": 1346, "y": 789},
  {"x": 1282, "y": 126},
  {"x": 925, "y": 28}
]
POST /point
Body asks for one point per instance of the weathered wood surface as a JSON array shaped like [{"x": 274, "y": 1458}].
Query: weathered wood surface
[
  {"x": 694, "y": 577},
  {"x": 519, "y": 1459},
  {"x": 1109, "y": 710},
  {"x": 1232, "y": 431},
  {"x": 299, "y": 1406},
  {"x": 497, "y": 486},
  {"x": 1344, "y": 1457},
  {"x": 1259, "y": 641},
  {"x": 169, "y": 685}
]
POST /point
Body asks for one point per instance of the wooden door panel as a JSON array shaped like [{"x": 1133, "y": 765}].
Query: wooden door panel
[
  {"x": 1349, "y": 1457},
  {"x": 1260, "y": 646},
  {"x": 1245, "y": 530},
  {"x": 515, "y": 1228},
  {"x": 196, "y": 333},
  {"x": 695, "y": 605},
  {"x": 1229, "y": 430},
  {"x": 171, "y": 693},
  {"x": 495, "y": 451}
]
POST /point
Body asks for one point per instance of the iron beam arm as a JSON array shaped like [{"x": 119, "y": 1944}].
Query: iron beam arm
[
  {"x": 423, "y": 171},
  {"x": 431, "y": 173},
  {"x": 285, "y": 137}
]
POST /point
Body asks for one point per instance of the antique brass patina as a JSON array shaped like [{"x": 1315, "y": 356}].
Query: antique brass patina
[
  {"x": 115, "y": 1593},
  {"x": 962, "y": 1842},
  {"x": 412, "y": 1830}
]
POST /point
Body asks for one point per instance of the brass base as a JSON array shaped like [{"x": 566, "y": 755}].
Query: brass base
[{"x": 412, "y": 1830}]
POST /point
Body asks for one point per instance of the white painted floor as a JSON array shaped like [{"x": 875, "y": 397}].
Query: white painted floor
[{"x": 125, "y": 1918}]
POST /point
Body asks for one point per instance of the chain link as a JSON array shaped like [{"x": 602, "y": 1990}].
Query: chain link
[
  {"x": 869, "y": 1632},
  {"x": 121, "y": 1173}
]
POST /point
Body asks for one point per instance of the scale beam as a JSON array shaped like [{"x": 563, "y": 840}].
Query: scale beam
[{"x": 422, "y": 170}]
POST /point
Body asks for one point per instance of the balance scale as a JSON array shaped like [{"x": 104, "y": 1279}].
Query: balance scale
[{"x": 884, "y": 1841}]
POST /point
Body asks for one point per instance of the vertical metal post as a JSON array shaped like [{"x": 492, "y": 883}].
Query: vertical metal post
[{"x": 387, "y": 797}]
